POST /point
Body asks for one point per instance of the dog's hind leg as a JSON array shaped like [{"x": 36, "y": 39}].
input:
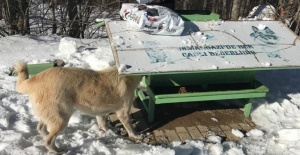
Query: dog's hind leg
[
  {"x": 102, "y": 122},
  {"x": 42, "y": 128},
  {"x": 56, "y": 125}
]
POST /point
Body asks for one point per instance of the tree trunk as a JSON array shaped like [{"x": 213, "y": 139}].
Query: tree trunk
[
  {"x": 1, "y": 6},
  {"x": 214, "y": 5},
  {"x": 297, "y": 28},
  {"x": 224, "y": 11},
  {"x": 247, "y": 8},
  {"x": 74, "y": 30},
  {"x": 204, "y": 4},
  {"x": 54, "y": 25},
  {"x": 235, "y": 9},
  {"x": 10, "y": 16},
  {"x": 22, "y": 17},
  {"x": 242, "y": 8},
  {"x": 16, "y": 16}
]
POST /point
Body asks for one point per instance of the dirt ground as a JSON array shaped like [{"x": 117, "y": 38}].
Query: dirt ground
[{"x": 169, "y": 116}]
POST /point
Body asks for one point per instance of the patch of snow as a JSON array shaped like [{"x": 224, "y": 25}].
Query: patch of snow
[
  {"x": 214, "y": 119},
  {"x": 255, "y": 133},
  {"x": 214, "y": 139},
  {"x": 237, "y": 133},
  {"x": 263, "y": 12},
  {"x": 67, "y": 46},
  {"x": 119, "y": 40},
  {"x": 122, "y": 68},
  {"x": 261, "y": 26},
  {"x": 266, "y": 64},
  {"x": 289, "y": 135}
]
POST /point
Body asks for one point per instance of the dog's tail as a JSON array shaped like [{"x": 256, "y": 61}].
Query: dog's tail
[{"x": 21, "y": 69}]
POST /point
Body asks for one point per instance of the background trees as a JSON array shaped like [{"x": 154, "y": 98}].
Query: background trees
[
  {"x": 16, "y": 16},
  {"x": 76, "y": 18}
]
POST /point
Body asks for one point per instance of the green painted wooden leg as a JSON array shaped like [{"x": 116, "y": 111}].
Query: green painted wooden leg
[
  {"x": 151, "y": 107},
  {"x": 247, "y": 108},
  {"x": 148, "y": 103},
  {"x": 136, "y": 92}
]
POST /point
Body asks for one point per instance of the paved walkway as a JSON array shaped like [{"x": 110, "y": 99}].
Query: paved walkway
[{"x": 186, "y": 121}]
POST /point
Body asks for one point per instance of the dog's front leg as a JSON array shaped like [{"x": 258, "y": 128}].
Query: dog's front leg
[
  {"x": 102, "y": 123},
  {"x": 124, "y": 117}
]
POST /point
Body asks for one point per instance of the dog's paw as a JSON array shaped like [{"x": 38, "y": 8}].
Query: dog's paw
[
  {"x": 56, "y": 150},
  {"x": 137, "y": 138}
]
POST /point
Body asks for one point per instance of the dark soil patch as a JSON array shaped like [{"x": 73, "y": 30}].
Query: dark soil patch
[{"x": 169, "y": 116}]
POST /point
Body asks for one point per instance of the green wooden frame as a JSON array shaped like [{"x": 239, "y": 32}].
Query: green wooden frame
[
  {"x": 151, "y": 97},
  {"x": 197, "y": 15},
  {"x": 34, "y": 69}
]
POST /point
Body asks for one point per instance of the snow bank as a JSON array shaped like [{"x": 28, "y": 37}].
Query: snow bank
[{"x": 277, "y": 116}]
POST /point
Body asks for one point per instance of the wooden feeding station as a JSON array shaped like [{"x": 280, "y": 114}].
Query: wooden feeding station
[{"x": 211, "y": 60}]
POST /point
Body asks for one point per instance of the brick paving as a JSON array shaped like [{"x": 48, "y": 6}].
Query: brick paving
[{"x": 188, "y": 121}]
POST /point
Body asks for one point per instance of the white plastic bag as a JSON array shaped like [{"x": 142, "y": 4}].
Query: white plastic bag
[
  {"x": 144, "y": 1},
  {"x": 148, "y": 1},
  {"x": 152, "y": 19}
]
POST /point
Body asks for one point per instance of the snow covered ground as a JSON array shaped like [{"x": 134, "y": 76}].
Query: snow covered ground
[{"x": 277, "y": 116}]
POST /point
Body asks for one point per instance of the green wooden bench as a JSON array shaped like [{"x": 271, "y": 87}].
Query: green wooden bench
[{"x": 206, "y": 86}]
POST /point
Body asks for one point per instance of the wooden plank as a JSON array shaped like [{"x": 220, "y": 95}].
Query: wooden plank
[
  {"x": 225, "y": 127},
  {"x": 183, "y": 134},
  {"x": 249, "y": 122},
  {"x": 150, "y": 139},
  {"x": 194, "y": 132},
  {"x": 235, "y": 126},
  {"x": 228, "y": 132},
  {"x": 217, "y": 130},
  {"x": 158, "y": 133},
  {"x": 203, "y": 130},
  {"x": 160, "y": 137},
  {"x": 180, "y": 129},
  {"x": 231, "y": 136},
  {"x": 171, "y": 135},
  {"x": 245, "y": 127}
]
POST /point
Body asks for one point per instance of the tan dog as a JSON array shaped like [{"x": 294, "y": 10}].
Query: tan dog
[{"x": 57, "y": 92}]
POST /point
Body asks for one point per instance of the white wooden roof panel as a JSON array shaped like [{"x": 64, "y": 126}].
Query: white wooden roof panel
[{"x": 203, "y": 46}]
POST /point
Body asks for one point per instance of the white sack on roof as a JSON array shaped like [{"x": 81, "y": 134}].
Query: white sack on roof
[{"x": 152, "y": 19}]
